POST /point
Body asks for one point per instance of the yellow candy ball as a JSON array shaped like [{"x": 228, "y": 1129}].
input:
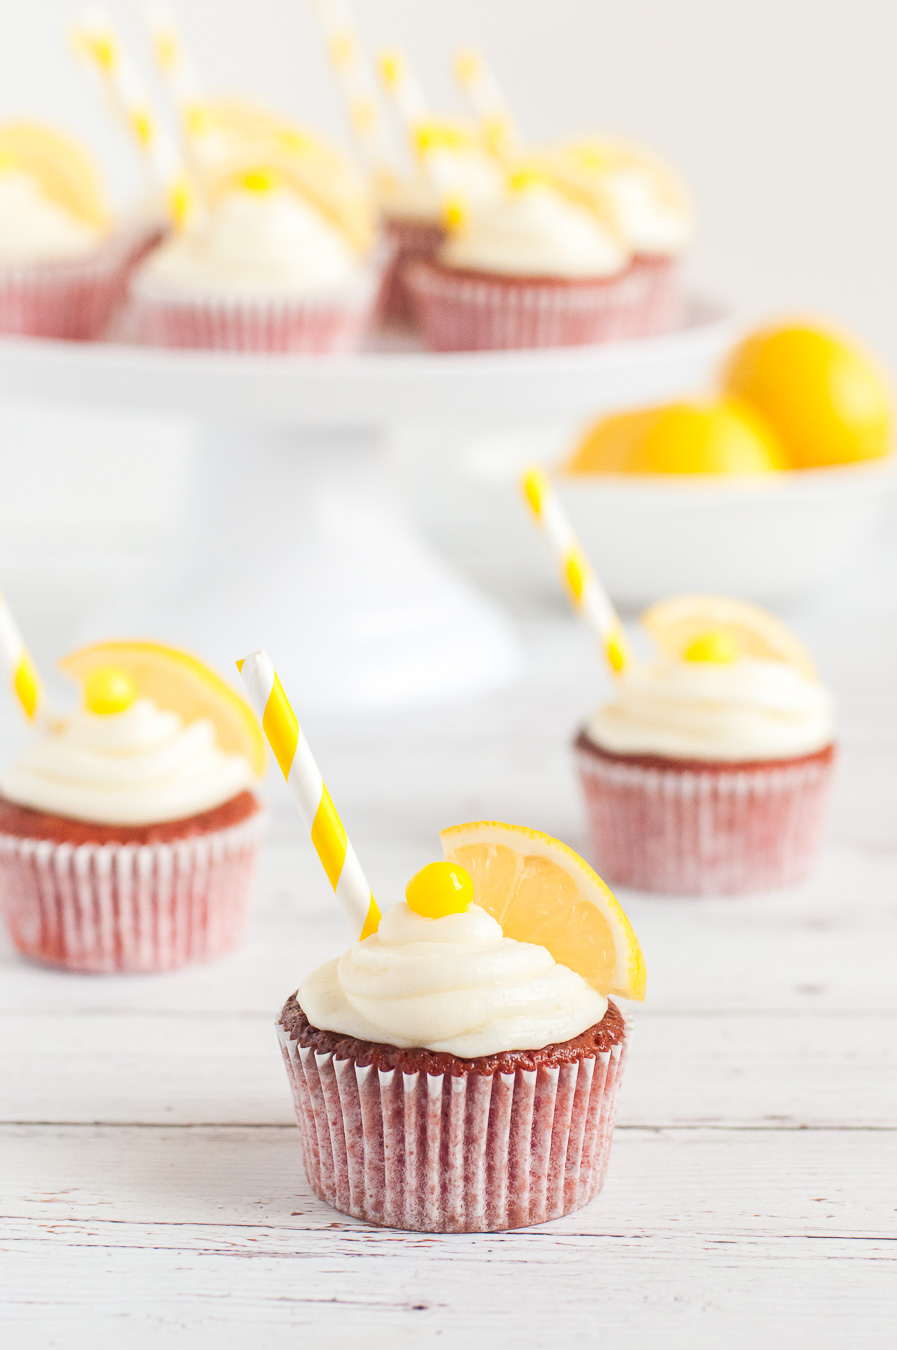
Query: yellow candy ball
[
  {"x": 109, "y": 690},
  {"x": 438, "y": 889},
  {"x": 716, "y": 645}
]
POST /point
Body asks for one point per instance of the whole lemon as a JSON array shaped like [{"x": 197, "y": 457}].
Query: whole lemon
[
  {"x": 824, "y": 396},
  {"x": 721, "y": 436}
]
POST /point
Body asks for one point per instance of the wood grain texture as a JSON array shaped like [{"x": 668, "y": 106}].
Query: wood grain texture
[{"x": 151, "y": 1187}]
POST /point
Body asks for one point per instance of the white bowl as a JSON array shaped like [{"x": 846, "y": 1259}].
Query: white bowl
[{"x": 775, "y": 538}]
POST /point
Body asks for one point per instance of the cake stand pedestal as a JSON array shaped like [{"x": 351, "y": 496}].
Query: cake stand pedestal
[{"x": 296, "y": 541}]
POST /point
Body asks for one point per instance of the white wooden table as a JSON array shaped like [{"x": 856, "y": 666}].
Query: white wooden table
[{"x": 151, "y": 1187}]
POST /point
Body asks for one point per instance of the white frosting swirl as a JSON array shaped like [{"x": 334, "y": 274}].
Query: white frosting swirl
[
  {"x": 745, "y": 710},
  {"x": 455, "y": 984},
  {"x": 270, "y": 243},
  {"x": 651, "y": 223},
  {"x": 535, "y": 231},
  {"x": 137, "y": 767},
  {"x": 36, "y": 229}
]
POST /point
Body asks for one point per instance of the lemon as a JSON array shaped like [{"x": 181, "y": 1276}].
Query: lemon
[
  {"x": 723, "y": 436},
  {"x": 64, "y": 169},
  {"x": 699, "y": 624},
  {"x": 540, "y": 891},
  {"x": 824, "y": 395},
  {"x": 179, "y": 682}
]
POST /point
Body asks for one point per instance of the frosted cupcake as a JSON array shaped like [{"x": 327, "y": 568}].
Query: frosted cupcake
[
  {"x": 128, "y": 831},
  {"x": 532, "y": 270},
  {"x": 458, "y": 1070},
  {"x": 707, "y": 773},
  {"x": 651, "y": 209},
  {"x": 264, "y": 270},
  {"x": 62, "y": 266},
  {"x": 413, "y": 209}
]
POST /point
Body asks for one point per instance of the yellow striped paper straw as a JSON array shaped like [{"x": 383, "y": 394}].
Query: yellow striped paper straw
[
  {"x": 95, "y": 38},
  {"x": 584, "y": 588},
  {"x": 173, "y": 59},
  {"x": 356, "y": 82},
  {"x": 23, "y": 677},
  {"x": 488, "y": 103},
  {"x": 303, "y": 776},
  {"x": 404, "y": 89}
]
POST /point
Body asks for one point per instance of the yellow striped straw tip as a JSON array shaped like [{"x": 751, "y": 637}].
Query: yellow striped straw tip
[
  {"x": 468, "y": 65},
  {"x": 392, "y": 67},
  {"x": 343, "y": 48},
  {"x": 535, "y": 489},
  {"x": 98, "y": 43}
]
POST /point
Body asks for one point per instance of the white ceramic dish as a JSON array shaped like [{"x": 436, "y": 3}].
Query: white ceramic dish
[{"x": 773, "y": 539}]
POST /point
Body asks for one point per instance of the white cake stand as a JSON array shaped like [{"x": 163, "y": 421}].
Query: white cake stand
[{"x": 296, "y": 541}]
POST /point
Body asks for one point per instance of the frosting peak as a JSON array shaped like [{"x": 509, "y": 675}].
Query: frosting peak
[
  {"x": 455, "y": 983},
  {"x": 141, "y": 766},
  {"x": 273, "y": 242},
  {"x": 746, "y": 709},
  {"x": 535, "y": 231}
]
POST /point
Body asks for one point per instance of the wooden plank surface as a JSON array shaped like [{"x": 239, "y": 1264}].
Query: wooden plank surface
[{"x": 151, "y": 1188}]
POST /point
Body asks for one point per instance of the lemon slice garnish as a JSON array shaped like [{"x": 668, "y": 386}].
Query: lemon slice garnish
[
  {"x": 678, "y": 623},
  {"x": 175, "y": 680},
  {"x": 540, "y": 891}
]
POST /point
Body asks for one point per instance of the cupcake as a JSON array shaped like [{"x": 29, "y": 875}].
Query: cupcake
[
  {"x": 458, "y": 1070},
  {"x": 653, "y": 214},
  {"x": 128, "y": 831},
  {"x": 62, "y": 266},
  {"x": 707, "y": 772},
  {"x": 264, "y": 270},
  {"x": 413, "y": 208},
  {"x": 531, "y": 270}
]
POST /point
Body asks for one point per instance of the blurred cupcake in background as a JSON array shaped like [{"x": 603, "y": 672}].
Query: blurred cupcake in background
[
  {"x": 263, "y": 269},
  {"x": 707, "y": 771},
  {"x": 652, "y": 211},
  {"x": 533, "y": 269},
  {"x": 413, "y": 209},
  {"x": 62, "y": 263},
  {"x": 128, "y": 831}
]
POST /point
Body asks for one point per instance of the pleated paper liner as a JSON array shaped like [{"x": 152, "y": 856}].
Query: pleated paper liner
[
  {"x": 443, "y": 1152},
  {"x": 74, "y": 299},
  {"x": 129, "y": 907},
  {"x": 464, "y": 310},
  {"x": 311, "y": 325},
  {"x": 695, "y": 828}
]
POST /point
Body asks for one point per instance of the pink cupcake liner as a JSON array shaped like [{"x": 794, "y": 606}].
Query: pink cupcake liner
[
  {"x": 411, "y": 240},
  {"x": 314, "y": 326},
  {"x": 468, "y": 311},
  {"x": 704, "y": 829},
  {"x": 129, "y": 907},
  {"x": 73, "y": 299},
  {"x": 661, "y": 300},
  {"x": 439, "y": 1153}
]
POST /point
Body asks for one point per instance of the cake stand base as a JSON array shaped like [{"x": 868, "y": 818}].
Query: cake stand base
[{"x": 297, "y": 545}]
